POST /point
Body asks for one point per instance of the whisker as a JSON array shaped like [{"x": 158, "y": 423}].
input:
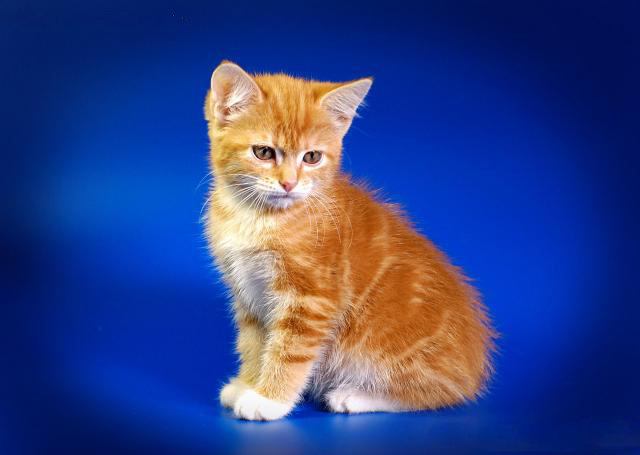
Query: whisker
[
  {"x": 206, "y": 202},
  {"x": 309, "y": 218},
  {"x": 335, "y": 223},
  {"x": 202, "y": 180},
  {"x": 314, "y": 207},
  {"x": 344, "y": 212}
]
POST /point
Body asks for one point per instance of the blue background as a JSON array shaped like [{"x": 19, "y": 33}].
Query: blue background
[{"x": 508, "y": 130}]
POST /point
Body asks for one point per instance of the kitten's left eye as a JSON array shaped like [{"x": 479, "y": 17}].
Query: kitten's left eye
[
  {"x": 312, "y": 157},
  {"x": 262, "y": 152}
]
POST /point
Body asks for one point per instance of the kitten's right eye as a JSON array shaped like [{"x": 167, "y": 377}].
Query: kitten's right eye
[{"x": 262, "y": 152}]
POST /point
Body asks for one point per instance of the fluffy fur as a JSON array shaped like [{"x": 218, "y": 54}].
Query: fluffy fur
[{"x": 334, "y": 292}]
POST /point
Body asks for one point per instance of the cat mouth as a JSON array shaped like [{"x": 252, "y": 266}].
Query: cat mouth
[
  {"x": 283, "y": 196},
  {"x": 282, "y": 201}
]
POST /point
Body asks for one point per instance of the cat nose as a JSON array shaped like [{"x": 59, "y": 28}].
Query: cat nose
[{"x": 288, "y": 185}]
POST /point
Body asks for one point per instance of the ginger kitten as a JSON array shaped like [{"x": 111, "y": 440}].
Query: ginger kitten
[{"x": 334, "y": 293}]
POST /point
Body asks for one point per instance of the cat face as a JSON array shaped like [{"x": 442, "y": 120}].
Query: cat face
[{"x": 277, "y": 140}]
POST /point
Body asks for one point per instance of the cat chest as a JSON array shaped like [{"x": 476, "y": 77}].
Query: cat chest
[{"x": 250, "y": 274}]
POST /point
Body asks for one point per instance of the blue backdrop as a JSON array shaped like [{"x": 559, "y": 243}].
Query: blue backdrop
[{"x": 508, "y": 130}]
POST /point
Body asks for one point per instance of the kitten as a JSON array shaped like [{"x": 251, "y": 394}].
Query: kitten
[{"x": 334, "y": 293}]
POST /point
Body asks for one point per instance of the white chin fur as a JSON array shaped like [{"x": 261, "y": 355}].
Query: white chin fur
[{"x": 281, "y": 202}]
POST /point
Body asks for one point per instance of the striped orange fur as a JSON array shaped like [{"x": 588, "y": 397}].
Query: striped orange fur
[{"x": 334, "y": 292}]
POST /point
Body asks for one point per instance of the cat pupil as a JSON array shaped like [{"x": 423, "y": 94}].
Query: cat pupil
[
  {"x": 312, "y": 157},
  {"x": 263, "y": 153}
]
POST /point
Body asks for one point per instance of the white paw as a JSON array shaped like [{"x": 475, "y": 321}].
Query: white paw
[
  {"x": 231, "y": 392},
  {"x": 253, "y": 406},
  {"x": 353, "y": 402},
  {"x": 342, "y": 401}
]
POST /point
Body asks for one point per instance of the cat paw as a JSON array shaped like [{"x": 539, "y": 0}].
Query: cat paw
[
  {"x": 342, "y": 401},
  {"x": 250, "y": 405},
  {"x": 354, "y": 402},
  {"x": 230, "y": 393}
]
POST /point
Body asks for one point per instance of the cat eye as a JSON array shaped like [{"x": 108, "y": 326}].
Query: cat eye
[
  {"x": 312, "y": 157},
  {"x": 262, "y": 152}
]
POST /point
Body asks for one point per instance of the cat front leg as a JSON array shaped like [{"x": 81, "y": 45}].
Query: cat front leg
[
  {"x": 294, "y": 340},
  {"x": 249, "y": 346}
]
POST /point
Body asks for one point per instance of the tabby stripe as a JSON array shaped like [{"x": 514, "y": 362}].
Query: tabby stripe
[
  {"x": 296, "y": 326},
  {"x": 296, "y": 358}
]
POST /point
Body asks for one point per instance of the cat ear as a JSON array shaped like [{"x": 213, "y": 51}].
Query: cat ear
[
  {"x": 342, "y": 102},
  {"x": 232, "y": 92}
]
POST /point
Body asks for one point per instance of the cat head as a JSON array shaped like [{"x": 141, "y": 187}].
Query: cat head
[{"x": 277, "y": 140}]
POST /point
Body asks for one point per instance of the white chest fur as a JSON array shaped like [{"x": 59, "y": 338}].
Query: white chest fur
[
  {"x": 248, "y": 269},
  {"x": 250, "y": 274}
]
